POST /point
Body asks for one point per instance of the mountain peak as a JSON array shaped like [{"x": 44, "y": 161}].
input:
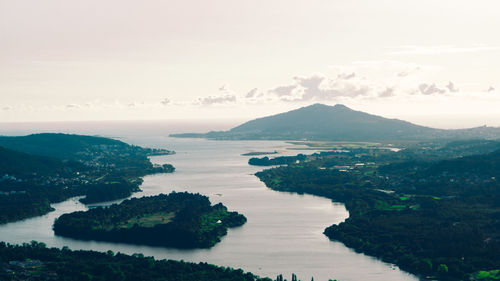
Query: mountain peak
[
  {"x": 324, "y": 106},
  {"x": 338, "y": 105}
]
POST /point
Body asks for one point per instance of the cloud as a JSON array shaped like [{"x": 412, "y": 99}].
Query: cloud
[
  {"x": 430, "y": 89},
  {"x": 346, "y": 76},
  {"x": 318, "y": 87},
  {"x": 72, "y": 105},
  {"x": 406, "y": 73},
  {"x": 283, "y": 90},
  {"x": 217, "y": 99},
  {"x": 165, "y": 101},
  {"x": 224, "y": 89},
  {"x": 388, "y": 92},
  {"x": 490, "y": 89},
  {"x": 252, "y": 93},
  {"x": 451, "y": 87},
  {"x": 439, "y": 50}
]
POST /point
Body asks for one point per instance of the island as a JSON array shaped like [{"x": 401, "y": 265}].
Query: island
[
  {"x": 257, "y": 153},
  {"x": 281, "y": 160},
  {"x": 431, "y": 208},
  {"x": 178, "y": 220},
  {"x": 37, "y": 170}
]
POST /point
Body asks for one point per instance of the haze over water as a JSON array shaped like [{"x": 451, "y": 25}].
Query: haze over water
[{"x": 283, "y": 233}]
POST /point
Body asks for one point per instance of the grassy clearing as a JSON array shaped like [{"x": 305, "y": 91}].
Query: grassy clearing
[
  {"x": 487, "y": 275},
  {"x": 382, "y": 205},
  {"x": 144, "y": 221}
]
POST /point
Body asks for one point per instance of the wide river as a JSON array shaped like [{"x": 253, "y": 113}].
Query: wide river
[{"x": 283, "y": 233}]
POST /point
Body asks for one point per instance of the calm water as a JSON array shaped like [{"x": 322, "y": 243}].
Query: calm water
[{"x": 283, "y": 233}]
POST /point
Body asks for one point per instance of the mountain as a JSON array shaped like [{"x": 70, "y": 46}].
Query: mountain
[{"x": 338, "y": 123}]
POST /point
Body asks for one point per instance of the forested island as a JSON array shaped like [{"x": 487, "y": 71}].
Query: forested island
[
  {"x": 281, "y": 160},
  {"x": 433, "y": 209},
  {"x": 179, "y": 220},
  {"x": 256, "y": 153},
  {"x": 40, "y": 169}
]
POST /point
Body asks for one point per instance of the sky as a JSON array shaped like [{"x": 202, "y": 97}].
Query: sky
[{"x": 435, "y": 63}]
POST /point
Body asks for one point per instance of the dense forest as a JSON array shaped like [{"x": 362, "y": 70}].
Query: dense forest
[
  {"x": 36, "y": 262},
  {"x": 37, "y": 170},
  {"x": 431, "y": 217},
  {"x": 179, "y": 220}
]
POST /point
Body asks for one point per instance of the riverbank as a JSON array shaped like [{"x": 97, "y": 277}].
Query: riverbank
[
  {"x": 438, "y": 219},
  {"x": 283, "y": 234}
]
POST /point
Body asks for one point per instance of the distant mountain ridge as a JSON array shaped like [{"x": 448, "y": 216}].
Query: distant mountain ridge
[{"x": 338, "y": 123}]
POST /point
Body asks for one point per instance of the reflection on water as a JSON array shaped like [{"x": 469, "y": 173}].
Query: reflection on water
[{"x": 283, "y": 233}]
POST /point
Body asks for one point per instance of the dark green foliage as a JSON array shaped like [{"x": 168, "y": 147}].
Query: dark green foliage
[
  {"x": 19, "y": 163},
  {"x": 67, "y": 265},
  {"x": 430, "y": 217},
  {"x": 66, "y": 146},
  {"x": 281, "y": 160},
  {"x": 180, "y": 220},
  {"x": 99, "y": 168},
  {"x": 108, "y": 191}
]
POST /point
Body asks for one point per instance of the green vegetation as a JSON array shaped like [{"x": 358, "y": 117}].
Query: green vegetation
[
  {"x": 180, "y": 220},
  {"x": 37, "y": 170},
  {"x": 487, "y": 275},
  {"x": 432, "y": 210},
  {"x": 36, "y": 262},
  {"x": 281, "y": 160}
]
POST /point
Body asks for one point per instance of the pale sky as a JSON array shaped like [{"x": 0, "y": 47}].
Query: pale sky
[{"x": 436, "y": 63}]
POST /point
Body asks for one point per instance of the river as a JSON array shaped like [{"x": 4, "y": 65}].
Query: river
[{"x": 283, "y": 233}]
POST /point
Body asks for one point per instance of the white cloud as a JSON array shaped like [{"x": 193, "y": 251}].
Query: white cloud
[
  {"x": 388, "y": 92},
  {"x": 210, "y": 100},
  {"x": 430, "y": 89},
  {"x": 320, "y": 88},
  {"x": 72, "y": 105},
  {"x": 439, "y": 50},
  {"x": 345, "y": 87},
  {"x": 165, "y": 101},
  {"x": 252, "y": 93},
  {"x": 346, "y": 76},
  {"x": 451, "y": 87},
  {"x": 283, "y": 90}
]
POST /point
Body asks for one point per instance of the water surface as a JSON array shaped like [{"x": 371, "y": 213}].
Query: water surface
[{"x": 283, "y": 233}]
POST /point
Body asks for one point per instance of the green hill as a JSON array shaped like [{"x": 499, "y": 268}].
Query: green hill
[
  {"x": 19, "y": 163},
  {"x": 339, "y": 123},
  {"x": 63, "y": 146}
]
